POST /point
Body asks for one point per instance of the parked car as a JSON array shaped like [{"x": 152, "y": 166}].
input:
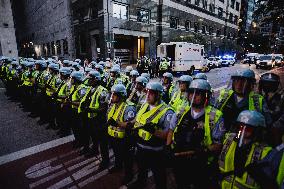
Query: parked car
[
  {"x": 265, "y": 61},
  {"x": 279, "y": 61}
]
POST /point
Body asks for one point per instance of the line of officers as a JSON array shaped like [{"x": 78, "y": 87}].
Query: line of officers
[{"x": 231, "y": 141}]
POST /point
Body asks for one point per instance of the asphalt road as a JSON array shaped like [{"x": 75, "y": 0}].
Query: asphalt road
[{"x": 17, "y": 130}]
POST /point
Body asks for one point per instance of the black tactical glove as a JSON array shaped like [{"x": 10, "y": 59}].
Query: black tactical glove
[
  {"x": 150, "y": 127},
  {"x": 112, "y": 122}
]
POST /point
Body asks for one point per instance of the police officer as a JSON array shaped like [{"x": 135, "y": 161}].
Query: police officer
[
  {"x": 168, "y": 86},
  {"x": 132, "y": 78},
  {"x": 127, "y": 71},
  {"x": 104, "y": 75},
  {"x": 146, "y": 75},
  {"x": 195, "y": 138},
  {"x": 269, "y": 86},
  {"x": 27, "y": 84},
  {"x": 179, "y": 98},
  {"x": 77, "y": 112},
  {"x": 164, "y": 66},
  {"x": 240, "y": 97},
  {"x": 119, "y": 116},
  {"x": 38, "y": 69},
  {"x": 52, "y": 86},
  {"x": 97, "y": 108},
  {"x": 151, "y": 126},
  {"x": 239, "y": 161},
  {"x": 113, "y": 77},
  {"x": 200, "y": 76},
  {"x": 138, "y": 95},
  {"x": 12, "y": 79},
  {"x": 59, "y": 97}
]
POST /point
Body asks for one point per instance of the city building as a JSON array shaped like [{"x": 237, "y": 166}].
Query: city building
[
  {"x": 44, "y": 28},
  {"x": 8, "y": 45},
  {"x": 130, "y": 28}
]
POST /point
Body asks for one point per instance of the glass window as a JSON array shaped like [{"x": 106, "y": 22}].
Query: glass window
[
  {"x": 120, "y": 11},
  {"x": 58, "y": 47},
  {"x": 204, "y": 4},
  {"x": 237, "y": 6},
  {"x": 65, "y": 46},
  {"x": 233, "y": 4},
  {"x": 143, "y": 15},
  {"x": 210, "y": 30},
  {"x": 174, "y": 21},
  {"x": 231, "y": 17},
  {"x": 197, "y": 2},
  {"x": 48, "y": 49},
  {"x": 220, "y": 12},
  {"x": 212, "y": 8},
  {"x": 218, "y": 32},
  {"x": 187, "y": 25},
  {"x": 236, "y": 20},
  {"x": 52, "y": 48},
  {"x": 204, "y": 29},
  {"x": 196, "y": 27}
]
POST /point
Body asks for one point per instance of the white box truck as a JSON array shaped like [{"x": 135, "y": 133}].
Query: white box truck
[{"x": 183, "y": 55}]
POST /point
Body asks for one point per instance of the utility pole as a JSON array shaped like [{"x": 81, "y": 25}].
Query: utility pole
[{"x": 108, "y": 32}]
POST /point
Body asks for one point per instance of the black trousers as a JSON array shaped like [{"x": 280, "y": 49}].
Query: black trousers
[
  {"x": 191, "y": 172},
  {"x": 98, "y": 132},
  {"x": 76, "y": 125},
  {"x": 123, "y": 154},
  {"x": 154, "y": 160}
]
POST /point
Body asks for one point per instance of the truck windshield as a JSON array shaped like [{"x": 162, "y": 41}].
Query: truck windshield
[{"x": 265, "y": 58}]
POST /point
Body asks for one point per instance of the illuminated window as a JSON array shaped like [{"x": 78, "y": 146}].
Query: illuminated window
[{"x": 120, "y": 11}]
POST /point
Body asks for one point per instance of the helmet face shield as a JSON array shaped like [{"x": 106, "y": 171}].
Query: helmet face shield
[
  {"x": 241, "y": 85},
  {"x": 268, "y": 86},
  {"x": 198, "y": 98},
  {"x": 245, "y": 134}
]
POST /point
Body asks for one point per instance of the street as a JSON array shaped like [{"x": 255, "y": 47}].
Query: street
[{"x": 33, "y": 157}]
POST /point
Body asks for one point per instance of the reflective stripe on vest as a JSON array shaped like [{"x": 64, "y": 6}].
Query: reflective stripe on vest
[
  {"x": 225, "y": 95},
  {"x": 76, "y": 96},
  {"x": 226, "y": 164},
  {"x": 82, "y": 96},
  {"x": 117, "y": 115},
  {"x": 280, "y": 175},
  {"x": 152, "y": 116},
  {"x": 95, "y": 101},
  {"x": 255, "y": 102}
]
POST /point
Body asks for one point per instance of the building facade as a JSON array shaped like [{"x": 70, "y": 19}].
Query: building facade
[
  {"x": 130, "y": 28},
  {"x": 8, "y": 45},
  {"x": 44, "y": 28}
]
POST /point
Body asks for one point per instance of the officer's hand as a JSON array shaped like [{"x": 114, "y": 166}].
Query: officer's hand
[
  {"x": 149, "y": 127},
  {"x": 112, "y": 122},
  {"x": 168, "y": 151}
]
